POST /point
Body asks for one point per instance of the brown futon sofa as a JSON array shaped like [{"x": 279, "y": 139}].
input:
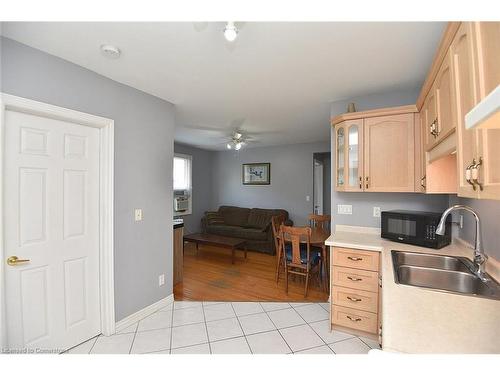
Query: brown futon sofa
[{"x": 251, "y": 224}]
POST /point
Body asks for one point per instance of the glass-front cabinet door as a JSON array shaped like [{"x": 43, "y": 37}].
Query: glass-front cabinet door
[
  {"x": 340, "y": 143},
  {"x": 354, "y": 152}
]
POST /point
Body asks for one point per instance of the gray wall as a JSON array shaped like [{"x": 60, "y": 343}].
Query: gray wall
[
  {"x": 489, "y": 213},
  {"x": 202, "y": 177},
  {"x": 291, "y": 178},
  {"x": 363, "y": 203},
  {"x": 144, "y": 128}
]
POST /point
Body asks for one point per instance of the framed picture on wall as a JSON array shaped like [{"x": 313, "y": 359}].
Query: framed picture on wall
[{"x": 256, "y": 174}]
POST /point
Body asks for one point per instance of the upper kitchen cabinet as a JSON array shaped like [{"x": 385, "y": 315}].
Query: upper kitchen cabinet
[
  {"x": 487, "y": 50},
  {"x": 466, "y": 69},
  {"x": 465, "y": 96},
  {"x": 349, "y": 164},
  {"x": 437, "y": 110},
  {"x": 486, "y": 172},
  {"x": 340, "y": 159},
  {"x": 375, "y": 150},
  {"x": 475, "y": 56},
  {"x": 445, "y": 123},
  {"x": 389, "y": 153},
  {"x": 429, "y": 120}
]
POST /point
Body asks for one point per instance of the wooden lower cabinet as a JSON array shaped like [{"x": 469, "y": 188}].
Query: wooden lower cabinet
[
  {"x": 178, "y": 254},
  {"x": 355, "y": 292},
  {"x": 355, "y": 299},
  {"x": 355, "y": 319}
]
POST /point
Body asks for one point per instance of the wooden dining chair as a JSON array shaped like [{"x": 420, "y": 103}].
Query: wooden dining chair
[
  {"x": 320, "y": 221},
  {"x": 276, "y": 222},
  {"x": 300, "y": 258}
]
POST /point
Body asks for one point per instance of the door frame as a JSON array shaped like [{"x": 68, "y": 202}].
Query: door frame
[
  {"x": 318, "y": 187},
  {"x": 106, "y": 199}
]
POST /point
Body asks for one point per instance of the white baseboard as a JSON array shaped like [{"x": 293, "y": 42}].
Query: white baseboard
[{"x": 141, "y": 314}]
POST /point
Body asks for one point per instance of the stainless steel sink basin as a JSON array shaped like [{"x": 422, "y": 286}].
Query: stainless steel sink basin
[
  {"x": 442, "y": 262},
  {"x": 441, "y": 272}
]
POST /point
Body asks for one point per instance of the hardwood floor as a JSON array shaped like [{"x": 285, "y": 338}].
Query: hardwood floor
[{"x": 210, "y": 276}]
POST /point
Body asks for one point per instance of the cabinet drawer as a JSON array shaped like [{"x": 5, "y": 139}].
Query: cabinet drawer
[
  {"x": 359, "y": 259},
  {"x": 356, "y": 319},
  {"x": 357, "y": 299},
  {"x": 355, "y": 279}
]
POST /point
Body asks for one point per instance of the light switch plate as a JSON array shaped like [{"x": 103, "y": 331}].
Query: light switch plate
[
  {"x": 344, "y": 209},
  {"x": 376, "y": 211},
  {"x": 308, "y": 198},
  {"x": 161, "y": 280},
  {"x": 138, "y": 214}
]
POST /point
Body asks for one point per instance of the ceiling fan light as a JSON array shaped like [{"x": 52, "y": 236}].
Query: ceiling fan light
[
  {"x": 230, "y": 32},
  {"x": 237, "y": 135},
  {"x": 229, "y": 146},
  {"x": 237, "y": 146}
]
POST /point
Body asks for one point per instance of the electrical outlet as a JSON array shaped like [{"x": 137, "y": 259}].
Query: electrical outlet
[
  {"x": 344, "y": 209},
  {"x": 138, "y": 214},
  {"x": 161, "y": 280},
  {"x": 376, "y": 211}
]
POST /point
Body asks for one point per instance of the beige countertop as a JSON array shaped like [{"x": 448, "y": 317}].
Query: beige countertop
[{"x": 419, "y": 320}]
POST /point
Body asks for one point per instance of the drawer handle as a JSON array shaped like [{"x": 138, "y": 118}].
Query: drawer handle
[
  {"x": 352, "y": 278},
  {"x": 356, "y": 259},
  {"x": 353, "y": 299},
  {"x": 353, "y": 319}
]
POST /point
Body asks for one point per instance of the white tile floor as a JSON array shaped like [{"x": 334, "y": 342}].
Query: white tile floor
[{"x": 187, "y": 327}]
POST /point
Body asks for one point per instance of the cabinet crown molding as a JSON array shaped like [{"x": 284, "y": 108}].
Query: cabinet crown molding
[{"x": 374, "y": 113}]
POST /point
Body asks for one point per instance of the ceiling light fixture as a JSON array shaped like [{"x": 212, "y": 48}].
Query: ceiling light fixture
[
  {"x": 110, "y": 51},
  {"x": 230, "y": 32},
  {"x": 237, "y": 146},
  {"x": 229, "y": 147}
]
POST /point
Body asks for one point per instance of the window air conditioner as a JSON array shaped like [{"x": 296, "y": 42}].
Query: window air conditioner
[{"x": 181, "y": 203}]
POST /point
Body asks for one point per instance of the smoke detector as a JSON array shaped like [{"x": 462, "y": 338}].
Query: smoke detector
[{"x": 110, "y": 51}]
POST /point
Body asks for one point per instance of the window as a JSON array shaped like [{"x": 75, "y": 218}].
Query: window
[{"x": 182, "y": 184}]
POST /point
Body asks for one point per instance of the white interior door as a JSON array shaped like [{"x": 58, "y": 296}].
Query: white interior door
[
  {"x": 51, "y": 200},
  {"x": 318, "y": 187}
]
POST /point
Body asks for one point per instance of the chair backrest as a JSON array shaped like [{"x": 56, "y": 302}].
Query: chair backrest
[
  {"x": 320, "y": 221},
  {"x": 276, "y": 222},
  {"x": 294, "y": 235}
]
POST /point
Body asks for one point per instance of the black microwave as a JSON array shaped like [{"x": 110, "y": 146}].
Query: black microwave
[{"x": 415, "y": 228}]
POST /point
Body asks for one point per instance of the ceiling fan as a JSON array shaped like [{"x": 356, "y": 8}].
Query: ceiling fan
[
  {"x": 229, "y": 29},
  {"x": 236, "y": 141}
]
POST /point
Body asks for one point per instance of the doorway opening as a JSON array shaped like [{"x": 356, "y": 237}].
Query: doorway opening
[{"x": 321, "y": 183}]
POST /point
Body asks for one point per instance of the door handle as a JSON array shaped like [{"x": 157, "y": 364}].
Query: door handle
[
  {"x": 353, "y": 278},
  {"x": 353, "y": 299},
  {"x": 475, "y": 173},
  {"x": 353, "y": 319},
  {"x": 14, "y": 261},
  {"x": 468, "y": 174},
  {"x": 422, "y": 182},
  {"x": 356, "y": 259}
]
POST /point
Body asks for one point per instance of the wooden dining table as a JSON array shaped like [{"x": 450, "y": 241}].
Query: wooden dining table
[{"x": 318, "y": 238}]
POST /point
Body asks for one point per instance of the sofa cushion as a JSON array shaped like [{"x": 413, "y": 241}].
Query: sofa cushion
[
  {"x": 260, "y": 218},
  {"x": 236, "y": 216},
  {"x": 214, "y": 218},
  {"x": 238, "y": 232}
]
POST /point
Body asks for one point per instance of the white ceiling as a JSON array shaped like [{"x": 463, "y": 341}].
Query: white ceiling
[{"x": 275, "y": 81}]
